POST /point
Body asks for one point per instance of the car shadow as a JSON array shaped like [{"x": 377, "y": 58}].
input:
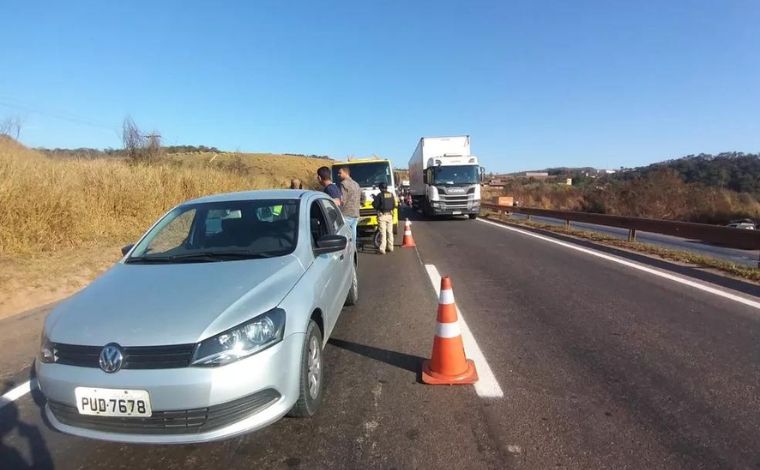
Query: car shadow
[
  {"x": 404, "y": 361},
  {"x": 11, "y": 457}
]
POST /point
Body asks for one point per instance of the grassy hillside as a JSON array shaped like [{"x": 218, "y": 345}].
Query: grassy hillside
[
  {"x": 735, "y": 171},
  {"x": 703, "y": 188},
  {"x": 50, "y": 204}
]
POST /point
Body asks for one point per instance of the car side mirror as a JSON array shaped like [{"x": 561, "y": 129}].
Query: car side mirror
[
  {"x": 330, "y": 244},
  {"x": 125, "y": 249}
]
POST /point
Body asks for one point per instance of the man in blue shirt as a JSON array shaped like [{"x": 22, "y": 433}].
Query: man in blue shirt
[{"x": 331, "y": 189}]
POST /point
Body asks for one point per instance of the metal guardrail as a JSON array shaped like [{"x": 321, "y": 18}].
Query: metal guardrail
[{"x": 725, "y": 236}]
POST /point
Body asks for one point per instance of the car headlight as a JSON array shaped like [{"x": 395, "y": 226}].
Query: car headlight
[
  {"x": 241, "y": 341},
  {"x": 47, "y": 351}
]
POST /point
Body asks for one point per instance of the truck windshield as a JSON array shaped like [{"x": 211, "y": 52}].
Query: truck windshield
[
  {"x": 456, "y": 174},
  {"x": 367, "y": 175}
]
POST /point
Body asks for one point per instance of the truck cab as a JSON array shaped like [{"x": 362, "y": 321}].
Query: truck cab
[
  {"x": 445, "y": 177},
  {"x": 368, "y": 173},
  {"x": 452, "y": 186}
]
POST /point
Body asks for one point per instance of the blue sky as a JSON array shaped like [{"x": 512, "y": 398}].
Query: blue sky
[{"x": 535, "y": 83}]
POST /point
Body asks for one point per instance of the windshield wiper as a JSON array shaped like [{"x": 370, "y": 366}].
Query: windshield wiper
[{"x": 203, "y": 256}]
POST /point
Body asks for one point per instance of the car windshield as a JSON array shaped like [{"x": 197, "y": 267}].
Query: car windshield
[
  {"x": 367, "y": 175},
  {"x": 221, "y": 231},
  {"x": 457, "y": 174}
]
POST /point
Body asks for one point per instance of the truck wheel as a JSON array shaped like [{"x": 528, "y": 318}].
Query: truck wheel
[
  {"x": 472, "y": 216},
  {"x": 426, "y": 209}
]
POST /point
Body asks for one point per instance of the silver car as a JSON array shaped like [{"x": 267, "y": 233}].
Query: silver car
[{"x": 212, "y": 325}]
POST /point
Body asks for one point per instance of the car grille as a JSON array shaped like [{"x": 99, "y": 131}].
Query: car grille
[
  {"x": 135, "y": 357},
  {"x": 169, "y": 422}
]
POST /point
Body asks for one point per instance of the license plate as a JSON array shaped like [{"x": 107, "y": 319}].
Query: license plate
[
  {"x": 457, "y": 212},
  {"x": 112, "y": 402}
]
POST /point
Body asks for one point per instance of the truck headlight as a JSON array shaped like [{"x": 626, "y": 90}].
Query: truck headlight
[
  {"x": 241, "y": 341},
  {"x": 47, "y": 351}
]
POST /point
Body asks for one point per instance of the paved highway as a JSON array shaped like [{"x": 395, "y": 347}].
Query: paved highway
[
  {"x": 595, "y": 364},
  {"x": 732, "y": 255}
]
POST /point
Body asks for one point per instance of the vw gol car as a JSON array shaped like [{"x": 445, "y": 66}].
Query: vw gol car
[{"x": 212, "y": 325}]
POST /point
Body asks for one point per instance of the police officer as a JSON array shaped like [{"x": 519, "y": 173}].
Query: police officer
[{"x": 384, "y": 203}]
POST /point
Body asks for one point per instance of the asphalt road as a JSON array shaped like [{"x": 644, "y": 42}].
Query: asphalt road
[
  {"x": 601, "y": 366},
  {"x": 732, "y": 255}
]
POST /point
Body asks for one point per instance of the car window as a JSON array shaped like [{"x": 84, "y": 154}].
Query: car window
[
  {"x": 333, "y": 215},
  {"x": 172, "y": 235},
  {"x": 318, "y": 224},
  {"x": 223, "y": 231}
]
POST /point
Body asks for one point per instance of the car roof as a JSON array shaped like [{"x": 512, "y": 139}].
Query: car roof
[{"x": 254, "y": 195}]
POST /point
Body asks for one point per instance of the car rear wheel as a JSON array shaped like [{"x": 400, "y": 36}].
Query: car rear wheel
[
  {"x": 353, "y": 292},
  {"x": 472, "y": 216},
  {"x": 310, "y": 388}
]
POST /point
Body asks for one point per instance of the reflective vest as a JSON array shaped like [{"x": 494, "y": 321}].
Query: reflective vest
[{"x": 384, "y": 202}]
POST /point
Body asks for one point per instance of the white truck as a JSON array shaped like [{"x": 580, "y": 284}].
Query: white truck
[{"x": 445, "y": 178}]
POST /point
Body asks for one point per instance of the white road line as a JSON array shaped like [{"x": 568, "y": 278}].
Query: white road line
[
  {"x": 656, "y": 272},
  {"x": 17, "y": 392},
  {"x": 487, "y": 386}
]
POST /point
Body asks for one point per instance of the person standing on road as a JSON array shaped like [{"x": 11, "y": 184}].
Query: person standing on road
[
  {"x": 324, "y": 175},
  {"x": 384, "y": 203},
  {"x": 350, "y": 199}
]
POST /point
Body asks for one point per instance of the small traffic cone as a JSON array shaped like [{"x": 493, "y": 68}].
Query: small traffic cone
[
  {"x": 448, "y": 364},
  {"x": 408, "y": 239}
]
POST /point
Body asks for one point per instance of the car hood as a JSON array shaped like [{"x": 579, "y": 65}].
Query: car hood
[{"x": 162, "y": 304}]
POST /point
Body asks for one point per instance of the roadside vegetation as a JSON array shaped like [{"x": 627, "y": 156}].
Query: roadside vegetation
[
  {"x": 701, "y": 188},
  {"x": 52, "y": 208},
  {"x": 744, "y": 272}
]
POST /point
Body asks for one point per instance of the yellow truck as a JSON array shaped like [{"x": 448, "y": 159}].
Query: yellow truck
[{"x": 368, "y": 173}]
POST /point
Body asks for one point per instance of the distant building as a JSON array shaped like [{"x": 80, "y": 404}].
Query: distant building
[{"x": 535, "y": 174}]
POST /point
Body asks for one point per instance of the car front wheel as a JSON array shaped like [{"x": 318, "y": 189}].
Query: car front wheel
[
  {"x": 353, "y": 292},
  {"x": 310, "y": 388}
]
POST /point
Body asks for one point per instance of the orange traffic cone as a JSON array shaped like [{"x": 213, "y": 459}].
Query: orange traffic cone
[
  {"x": 448, "y": 364},
  {"x": 408, "y": 239}
]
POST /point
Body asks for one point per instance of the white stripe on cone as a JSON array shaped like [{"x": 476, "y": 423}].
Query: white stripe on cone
[
  {"x": 446, "y": 297},
  {"x": 447, "y": 330}
]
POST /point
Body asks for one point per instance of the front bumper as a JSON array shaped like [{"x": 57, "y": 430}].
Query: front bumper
[
  {"x": 447, "y": 210},
  {"x": 271, "y": 375}
]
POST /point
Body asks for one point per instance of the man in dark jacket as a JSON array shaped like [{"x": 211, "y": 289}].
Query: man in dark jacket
[
  {"x": 384, "y": 203},
  {"x": 331, "y": 189}
]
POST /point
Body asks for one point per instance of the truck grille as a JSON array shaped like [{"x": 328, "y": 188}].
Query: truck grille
[
  {"x": 135, "y": 357},
  {"x": 367, "y": 212},
  {"x": 170, "y": 422},
  {"x": 459, "y": 201}
]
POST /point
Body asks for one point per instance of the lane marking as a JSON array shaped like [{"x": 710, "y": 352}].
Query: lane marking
[
  {"x": 672, "y": 277},
  {"x": 487, "y": 386},
  {"x": 17, "y": 392}
]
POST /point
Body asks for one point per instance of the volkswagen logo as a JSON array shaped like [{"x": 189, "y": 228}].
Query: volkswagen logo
[{"x": 111, "y": 358}]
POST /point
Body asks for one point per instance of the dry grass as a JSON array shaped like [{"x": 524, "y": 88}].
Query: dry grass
[
  {"x": 56, "y": 215},
  {"x": 744, "y": 272},
  {"x": 49, "y": 205}
]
